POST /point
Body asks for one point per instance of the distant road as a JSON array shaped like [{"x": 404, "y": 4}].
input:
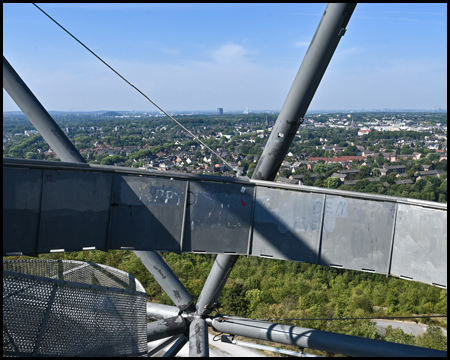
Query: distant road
[{"x": 407, "y": 327}]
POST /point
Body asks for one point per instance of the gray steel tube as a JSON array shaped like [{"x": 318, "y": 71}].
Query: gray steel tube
[
  {"x": 165, "y": 277},
  {"x": 164, "y": 328},
  {"x": 215, "y": 282},
  {"x": 330, "y": 30},
  {"x": 177, "y": 346},
  {"x": 322, "y": 47},
  {"x": 198, "y": 338},
  {"x": 316, "y": 339},
  {"x": 163, "y": 345},
  {"x": 159, "y": 312},
  {"x": 38, "y": 116}
]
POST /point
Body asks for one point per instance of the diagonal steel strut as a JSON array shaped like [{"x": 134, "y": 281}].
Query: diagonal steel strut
[
  {"x": 215, "y": 283},
  {"x": 182, "y": 340},
  {"x": 164, "y": 275},
  {"x": 329, "y": 31},
  {"x": 331, "y": 28},
  {"x": 38, "y": 116}
]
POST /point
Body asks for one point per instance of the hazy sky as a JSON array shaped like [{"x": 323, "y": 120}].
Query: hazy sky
[{"x": 205, "y": 56}]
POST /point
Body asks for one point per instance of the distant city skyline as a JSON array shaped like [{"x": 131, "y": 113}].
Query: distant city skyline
[{"x": 201, "y": 57}]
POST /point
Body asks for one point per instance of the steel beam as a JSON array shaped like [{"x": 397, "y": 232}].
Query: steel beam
[
  {"x": 316, "y": 339},
  {"x": 215, "y": 283},
  {"x": 159, "y": 312},
  {"x": 165, "y": 277},
  {"x": 198, "y": 338},
  {"x": 177, "y": 346},
  {"x": 163, "y": 345},
  {"x": 38, "y": 116},
  {"x": 316, "y": 227},
  {"x": 164, "y": 328},
  {"x": 330, "y": 30},
  {"x": 53, "y": 165}
]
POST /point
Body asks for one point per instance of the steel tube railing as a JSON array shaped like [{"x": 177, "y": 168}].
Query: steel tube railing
[
  {"x": 41, "y": 164},
  {"x": 159, "y": 311},
  {"x": 316, "y": 339}
]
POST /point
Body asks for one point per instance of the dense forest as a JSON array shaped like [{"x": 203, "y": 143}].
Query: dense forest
[{"x": 261, "y": 288}]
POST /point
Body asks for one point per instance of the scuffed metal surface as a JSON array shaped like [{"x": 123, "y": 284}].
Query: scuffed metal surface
[
  {"x": 165, "y": 327},
  {"x": 158, "y": 311},
  {"x": 420, "y": 245},
  {"x": 335, "y": 208},
  {"x": 198, "y": 338},
  {"x": 160, "y": 272},
  {"x": 165, "y": 277},
  {"x": 149, "y": 211},
  {"x": 287, "y": 224},
  {"x": 215, "y": 209},
  {"x": 357, "y": 234}
]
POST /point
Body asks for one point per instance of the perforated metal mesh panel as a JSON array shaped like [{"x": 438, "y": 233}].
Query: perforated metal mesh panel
[{"x": 71, "y": 308}]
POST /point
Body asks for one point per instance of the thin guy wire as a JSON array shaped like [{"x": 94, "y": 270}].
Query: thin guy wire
[{"x": 170, "y": 117}]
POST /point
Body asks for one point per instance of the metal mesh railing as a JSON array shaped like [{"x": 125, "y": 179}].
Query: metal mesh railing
[{"x": 71, "y": 308}]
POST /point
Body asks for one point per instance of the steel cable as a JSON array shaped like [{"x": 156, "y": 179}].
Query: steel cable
[{"x": 124, "y": 79}]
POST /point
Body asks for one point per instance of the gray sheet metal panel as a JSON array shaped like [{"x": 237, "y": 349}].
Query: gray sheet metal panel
[
  {"x": 147, "y": 213},
  {"x": 287, "y": 224},
  {"x": 420, "y": 245},
  {"x": 357, "y": 234},
  {"x": 75, "y": 210},
  {"x": 218, "y": 218},
  {"x": 21, "y": 210}
]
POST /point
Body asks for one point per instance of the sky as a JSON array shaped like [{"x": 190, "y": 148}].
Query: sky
[{"x": 199, "y": 57}]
